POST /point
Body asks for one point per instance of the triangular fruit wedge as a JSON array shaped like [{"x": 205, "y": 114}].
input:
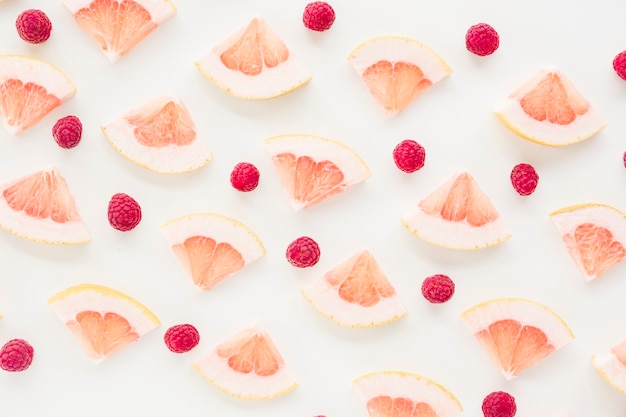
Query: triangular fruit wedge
[
  {"x": 29, "y": 90},
  {"x": 40, "y": 207},
  {"x": 594, "y": 235},
  {"x": 312, "y": 168},
  {"x": 160, "y": 136},
  {"x": 611, "y": 365},
  {"x": 457, "y": 215},
  {"x": 516, "y": 333},
  {"x": 247, "y": 365},
  {"x": 394, "y": 393},
  {"x": 104, "y": 320},
  {"x": 397, "y": 70},
  {"x": 356, "y": 293},
  {"x": 253, "y": 63},
  {"x": 211, "y": 246},
  {"x": 547, "y": 109},
  {"x": 118, "y": 25}
]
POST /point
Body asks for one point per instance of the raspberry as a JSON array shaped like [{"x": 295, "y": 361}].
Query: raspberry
[
  {"x": 33, "y": 26},
  {"x": 524, "y": 179},
  {"x": 499, "y": 404},
  {"x": 124, "y": 212},
  {"x": 318, "y": 16},
  {"x": 624, "y": 159},
  {"x": 619, "y": 65},
  {"x": 181, "y": 338},
  {"x": 67, "y": 131},
  {"x": 16, "y": 355},
  {"x": 482, "y": 39},
  {"x": 438, "y": 288},
  {"x": 244, "y": 177},
  {"x": 303, "y": 252},
  {"x": 409, "y": 155}
]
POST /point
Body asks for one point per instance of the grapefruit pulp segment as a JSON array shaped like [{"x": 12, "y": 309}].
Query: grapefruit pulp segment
[{"x": 611, "y": 365}]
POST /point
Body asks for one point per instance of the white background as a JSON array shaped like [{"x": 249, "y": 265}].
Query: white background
[{"x": 453, "y": 121}]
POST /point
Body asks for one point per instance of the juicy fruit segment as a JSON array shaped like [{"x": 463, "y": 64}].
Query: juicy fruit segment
[
  {"x": 397, "y": 70},
  {"x": 356, "y": 293},
  {"x": 611, "y": 365},
  {"x": 547, "y": 109},
  {"x": 457, "y": 215},
  {"x": 516, "y": 333},
  {"x": 312, "y": 168},
  {"x": 253, "y": 63}
]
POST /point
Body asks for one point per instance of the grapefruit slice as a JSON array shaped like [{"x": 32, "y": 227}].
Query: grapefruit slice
[
  {"x": 394, "y": 393},
  {"x": 211, "y": 246},
  {"x": 312, "y": 168},
  {"x": 457, "y": 215},
  {"x": 104, "y": 320},
  {"x": 547, "y": 109},
  {"x": 594, "y": 235},
  {"x": 40, "y": 207},
  {"x": 356, "y": 293},
  {"x": 612, "y": 365},
  {"x": 516, "y": 333},
  {"x": 160, "y": 136},
  {"x": 29, "y": 90},
  {"x": 248, "y": 366},
  {"x": 253, "y": 63},
  {"x": 397, "y": 70},
  {"x": 118, "y": 25}
]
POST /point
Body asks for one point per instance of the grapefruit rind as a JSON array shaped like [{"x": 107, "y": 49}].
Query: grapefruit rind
[{"x": 612, "y": 370}]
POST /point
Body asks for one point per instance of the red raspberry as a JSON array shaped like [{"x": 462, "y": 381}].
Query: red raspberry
[
  {"x": 181, "y": 338},
  {"x": 303, "y": 252},
  {"x": 624, "y": 159},
  {"x": 409, "y": 155},
  {"x": 244, "y": 177},
  {"x": 124, "y": 212},
  {"x": 438, "y": 288},
  {"x": 67, "y": 131},
  {"x": 619, "y": 65},
  {"x": 33, "y": 26},
  {"x": 318, "y": 16},
  {"x": 16, "y": 355},
  {"x": 482, "y": 39},
  {"x": 499, "y": 404},
  {"x": 524, "y": 179}
]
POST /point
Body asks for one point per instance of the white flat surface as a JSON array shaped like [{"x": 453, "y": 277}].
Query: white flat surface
[{"x": 454, "y": 122}]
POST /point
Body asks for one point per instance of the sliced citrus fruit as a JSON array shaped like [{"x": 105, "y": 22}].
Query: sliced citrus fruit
[
  {"x": 253, "y": 63},
  {"x": 39, "y": 207},
  {"x": 356, "y": 293},
  {"x": 594, "y": 235},
  {"x": 547, "y": 109},
  {"x": 29, "y": 90},
  {"x": 247, "y": 365},
  {"x": 612, "y": 365},
  {"x": 312, "y": 168},
  {"x": 211, "y": 246},
  {"x": 516, "y": 333},
  {"x": 457, "y": 215},
  {"x": 118, "y": 25},
  {"x": 104, "y": 320},
  {"x": 397, "y": 70}
]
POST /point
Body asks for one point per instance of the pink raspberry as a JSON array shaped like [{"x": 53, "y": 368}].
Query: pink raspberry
[
  {"x": 619, "y": 65},
  {"x": 67, "y": 131},
  {"x": 303, "y": 252},
  {"x": 409, "y": 156},
  {"x": 438, "y": 288},
  {"x": 524, "y": 179},
  {"x": 181, "y": 338},
  {"x": 624, "y": 159},
  {"x": 33, "y": 26},
  {"x": 482, "y": 39},
  {"x": 318, "y": 16},
  {"x": 244, "y": 177},
  {"x": 499, "y": 404},
  {"x": 124, "y": 212},
  {"x": 16, "y": 355}
]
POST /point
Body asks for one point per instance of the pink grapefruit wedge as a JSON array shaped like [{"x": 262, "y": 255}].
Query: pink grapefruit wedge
[{"x": 611, "y": 364}]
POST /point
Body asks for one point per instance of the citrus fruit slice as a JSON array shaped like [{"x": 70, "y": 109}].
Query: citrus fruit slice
[
  {"x": 394, "y": 393},
  {"x": 516, "y": 333},
  {"x": 253, "y": 63},
  {"x": 612, "y": 365},
  {"x": 104, "y": 320},
  {"x": 457, "y": 215},
  {"x": 39, "y": 207},
  {"x": 547, "y": 109},
  {"x": 118, "y": 25},
  {"x": 312, "y": 168},
  {"x": 594, "y": 235},
  {"x": 248, "y": 366},
  {"x": 29, "y": 90},
  {"x": 397, "y": 70},
  {"x": 160, "y": 136},
  {"x": 211, "y": 246},
  {"x": 356, "y": 293}
]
